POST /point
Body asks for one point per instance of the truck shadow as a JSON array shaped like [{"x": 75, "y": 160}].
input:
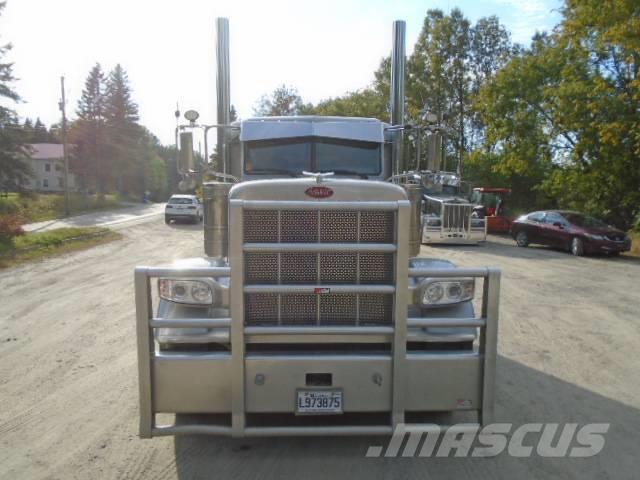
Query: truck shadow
[{"x": 523, "y": 395}]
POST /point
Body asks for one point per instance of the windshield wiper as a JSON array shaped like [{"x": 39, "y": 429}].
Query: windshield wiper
[
  {"x": 275, "y": 171},
  {"x": 351, "y": 172}
]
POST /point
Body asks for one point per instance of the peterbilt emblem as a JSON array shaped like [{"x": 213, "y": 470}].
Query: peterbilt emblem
[
  {"x": 319, "y": 192},
  {"x": 321, "y": 290}
]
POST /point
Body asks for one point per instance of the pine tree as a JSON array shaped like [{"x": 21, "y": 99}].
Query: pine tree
[
  {"x": 14, "y": 170},
  {"x": 89, "y": 135},
  {"x": 40, "y": 133},
  {"x": 124, "y": 134},
  {"x": 27, "y": 133}
]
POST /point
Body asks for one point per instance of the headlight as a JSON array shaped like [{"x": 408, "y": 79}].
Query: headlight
[
  {"x": 444, "y": 292},
  {"x": 595, "y": 237},
  {"x": 194, "y": 292}
]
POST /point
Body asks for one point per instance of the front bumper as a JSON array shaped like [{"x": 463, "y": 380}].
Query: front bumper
[
  {"x": 233, "y": 391},
  {"x": 476, "y": 233},
  {"x": 608, "y": 246}
]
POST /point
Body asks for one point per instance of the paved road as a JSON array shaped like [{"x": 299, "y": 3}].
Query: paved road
[
  {"x": 568, "y": 352},
  {"x": 117, "y": 218}
]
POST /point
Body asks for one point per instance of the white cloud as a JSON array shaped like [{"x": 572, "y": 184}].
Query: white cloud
[{"x": 529, "y": 16}]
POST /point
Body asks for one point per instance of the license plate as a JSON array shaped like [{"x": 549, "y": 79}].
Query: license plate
[{"x": 318, "y": 401}]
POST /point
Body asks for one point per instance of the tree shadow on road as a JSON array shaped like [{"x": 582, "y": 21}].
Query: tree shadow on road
[{"x": 523, "y": 395}]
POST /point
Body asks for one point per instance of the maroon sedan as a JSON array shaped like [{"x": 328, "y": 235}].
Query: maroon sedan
[{"x": 572, "y": 231}]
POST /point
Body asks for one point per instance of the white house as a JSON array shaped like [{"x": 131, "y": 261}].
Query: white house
[{"x": 47, "y": 164}]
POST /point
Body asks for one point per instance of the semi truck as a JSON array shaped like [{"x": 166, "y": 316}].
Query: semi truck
[
  {"x": 311, "y": 311},
  {"x": 448, "y": 215}
]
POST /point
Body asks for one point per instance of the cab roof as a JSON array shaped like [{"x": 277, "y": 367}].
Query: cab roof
[{"x": 348, "y": 128}]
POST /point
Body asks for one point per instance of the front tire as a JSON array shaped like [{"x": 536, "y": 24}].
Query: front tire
[
  {"x": 522, "y": 239},
  {"x": 577, "y": 247}
]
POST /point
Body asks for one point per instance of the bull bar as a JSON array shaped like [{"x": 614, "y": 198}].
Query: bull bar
[{"x": 149, "y": 358}]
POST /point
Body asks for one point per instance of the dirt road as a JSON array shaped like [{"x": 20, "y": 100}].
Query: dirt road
[
  {"x": 116, "y": 219},
  {"x": 568, "y": 352}
]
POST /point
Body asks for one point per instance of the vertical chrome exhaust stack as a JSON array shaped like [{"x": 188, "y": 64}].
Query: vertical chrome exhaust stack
[
  {"x": 397, "y": 93},
  {"x": 223, "y": 88},
  {"x": 216, "y": 194},
  {"x": 414, "y": 191}
]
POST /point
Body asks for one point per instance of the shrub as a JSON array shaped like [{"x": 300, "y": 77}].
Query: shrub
[{"x": 10, "y": 227}]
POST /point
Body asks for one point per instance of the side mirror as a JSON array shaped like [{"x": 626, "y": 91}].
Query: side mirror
[
  {"x": 186, "y": 161},
  {"x": 558, "y": 224}
]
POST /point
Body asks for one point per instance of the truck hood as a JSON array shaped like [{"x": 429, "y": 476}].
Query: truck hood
[{"x": 327, "y": 190}]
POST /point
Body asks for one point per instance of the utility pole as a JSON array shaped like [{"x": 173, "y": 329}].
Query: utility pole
[{"x": 62, "y": 106}]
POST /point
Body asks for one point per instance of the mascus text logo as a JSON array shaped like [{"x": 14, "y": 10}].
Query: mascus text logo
[{"x": 319, "y": 192}]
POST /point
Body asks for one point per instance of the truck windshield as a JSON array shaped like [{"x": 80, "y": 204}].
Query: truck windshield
[{"x": 295, "y": 155}]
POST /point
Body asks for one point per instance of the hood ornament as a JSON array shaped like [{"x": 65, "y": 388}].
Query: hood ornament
[{"x": 318, "y": 176}]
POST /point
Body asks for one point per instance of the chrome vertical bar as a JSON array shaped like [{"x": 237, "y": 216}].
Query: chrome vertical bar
[
  {"x": 223, "y": 87},
  {"x": 145, "y": 351},
  {"x": 236, "y": 302},
  {"x": 489, "y": 342},
  {"x": 400, "y": 314},
  {"x": 279, "y": 297},
  {"x": 397, "y": 93},
  {"x": 358, "y": 269}
]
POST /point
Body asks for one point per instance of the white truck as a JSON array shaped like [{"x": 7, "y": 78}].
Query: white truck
[{"x": 311, "y": 312}]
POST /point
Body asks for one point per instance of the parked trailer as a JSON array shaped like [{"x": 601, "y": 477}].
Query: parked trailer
[{"x": 311, "y": 312}]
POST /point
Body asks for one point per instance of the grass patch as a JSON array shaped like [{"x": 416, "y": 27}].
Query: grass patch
[
  {"x": 38, "y": 245},
  {"x": 41, "y": 207}
]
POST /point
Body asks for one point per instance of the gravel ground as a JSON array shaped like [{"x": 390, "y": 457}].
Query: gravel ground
[{"x": 568, "y": 352}]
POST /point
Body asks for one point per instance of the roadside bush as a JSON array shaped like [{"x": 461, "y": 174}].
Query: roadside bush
[
  {"x": 10, "y": 227},
  {"x": 636, "y": 224}
]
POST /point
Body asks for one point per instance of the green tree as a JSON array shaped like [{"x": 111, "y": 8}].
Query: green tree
[
  {"x": 566, "y": 109},
  {"x": 40, "y": 133},
  {"x": 122, "y": 130},
  {"x": 283, "y": 101},
  {"x": 491, "y": 49},
  {"x": 14, "y": 170},
  {"x": 362, "y": 103},
  {"x": 88, "y": 134}
]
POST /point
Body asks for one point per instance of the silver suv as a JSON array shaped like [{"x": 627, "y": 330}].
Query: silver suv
[{"x": 183, "y": 207}]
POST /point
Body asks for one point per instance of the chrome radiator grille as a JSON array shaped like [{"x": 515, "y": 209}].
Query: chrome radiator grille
[
  {"x": 302, "y": 268},
  {"x": 348, "y": 309},
  {"x": 313, "y": 226},
  {"x": 318, "y": 268},
  {"x": 456, "y": 216}
]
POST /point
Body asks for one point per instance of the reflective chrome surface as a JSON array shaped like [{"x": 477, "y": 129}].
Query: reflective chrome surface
[
  {"x": 216, "y": 219},
  {"x": 397, "y": 92}
]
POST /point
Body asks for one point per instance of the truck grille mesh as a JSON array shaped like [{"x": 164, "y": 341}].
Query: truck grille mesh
[
  {"x": 342, "y": 309},
  {"x": 302, "y": 268},
  {"x": 311, "y": 268},
  {"x": 313, "y": 226}
]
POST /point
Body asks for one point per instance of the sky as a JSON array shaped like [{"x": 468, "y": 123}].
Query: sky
[{"x": 324, "y": 49}]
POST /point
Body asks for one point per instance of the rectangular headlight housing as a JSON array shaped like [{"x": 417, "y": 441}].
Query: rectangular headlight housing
[
  {"x": 192, "y": 292},
  {"x": 434, "y": 292}
]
